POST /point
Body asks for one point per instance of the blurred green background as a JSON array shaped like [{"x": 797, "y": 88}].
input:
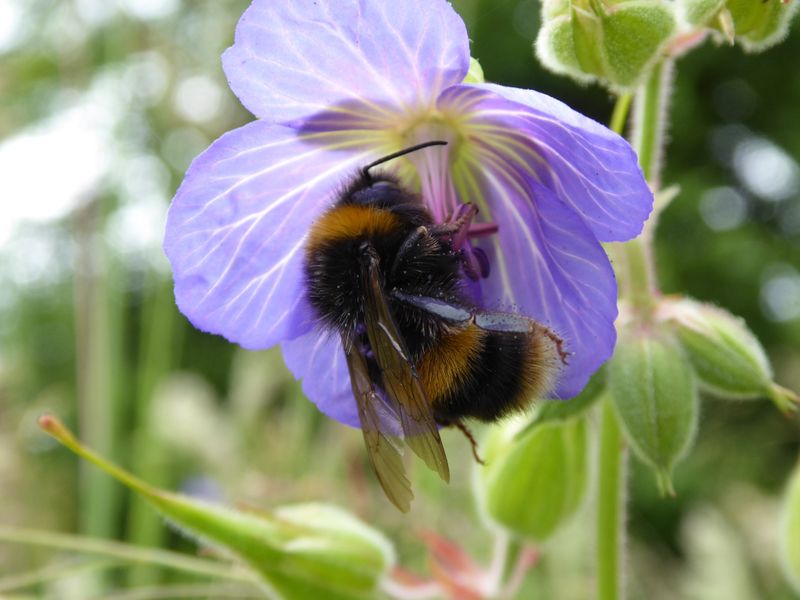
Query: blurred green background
[{"x": 103, "y": 104}]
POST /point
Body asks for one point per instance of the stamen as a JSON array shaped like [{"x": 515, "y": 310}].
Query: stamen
[{"x": 482, "y": 229}]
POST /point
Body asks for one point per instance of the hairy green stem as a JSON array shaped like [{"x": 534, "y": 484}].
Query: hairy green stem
[
  {"x": 650, "y": 121},
  {"x": 620, "y": 114},
  {"x": 638, "y": 281},
  {"x": 610, "y": 506},
  {"x": 635, "y": 271}
]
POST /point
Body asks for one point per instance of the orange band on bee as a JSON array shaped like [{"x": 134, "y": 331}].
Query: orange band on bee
[
  {"x": 444, "y": 368},
  {"x": 351, "y": 221}
]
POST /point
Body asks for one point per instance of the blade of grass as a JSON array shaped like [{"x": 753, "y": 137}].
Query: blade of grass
[
  {"x": 52, "y": 573},
  {"x": 175, "y": 591},
  {"x": 97, "y": 314},
  {"x": 125, "y": 552},
  {"x": 148, "y": 456}
]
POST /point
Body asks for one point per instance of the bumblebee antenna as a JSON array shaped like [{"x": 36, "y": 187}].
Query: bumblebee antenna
[{"x": 398, "y": 154}]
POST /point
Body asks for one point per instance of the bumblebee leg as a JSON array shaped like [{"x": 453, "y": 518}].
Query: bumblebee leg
[
  {"x": 414, "y": 239},
  {"x": 563, "y": 354},
  {"x": 456, "y": 229},
  {"x": 465, "y": 430}
]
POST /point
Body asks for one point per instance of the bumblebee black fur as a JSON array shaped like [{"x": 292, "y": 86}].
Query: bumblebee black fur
[{"x": 466, "y": 371}]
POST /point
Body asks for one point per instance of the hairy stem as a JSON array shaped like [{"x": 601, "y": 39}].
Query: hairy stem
[
  {"x": 610, "y": 506},
  {"x": 650, "y": 121},
  {"x": 635, "y": 269},
  {"x": 638, "y": 279}
]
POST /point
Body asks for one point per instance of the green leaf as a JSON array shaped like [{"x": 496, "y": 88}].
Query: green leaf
[
  {"x": 303, "y": 552},
  {"x": 655, "y": 395}
]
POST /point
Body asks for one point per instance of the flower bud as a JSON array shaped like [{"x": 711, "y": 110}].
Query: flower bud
[
  {"x": 755, "y": 24},
  {"x": 700, "y": 12},
  {"x": 616, "y": 43},
  {"x": 761, "y": 24},
  {"x": 790, "y": 531},
  {"x": 535, "y": 477},
  {"x": 554, "y": 8},
  {"x": 655, "y": 395},
  {"x": 333, "y": 548},
  {"x": 302, "y": 551},
  {"x": 727, "y": 358}
]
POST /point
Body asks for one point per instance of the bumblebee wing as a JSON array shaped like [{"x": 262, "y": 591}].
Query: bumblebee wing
[
  {"x": 383, "y": 451},
  {"x": 399, "y": 375}
]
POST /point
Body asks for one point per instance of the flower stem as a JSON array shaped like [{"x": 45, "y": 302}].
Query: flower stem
[
  {"x": 620, "y": 114},
  {"x": 638, "y": 281},
  {"x": 649, "y": 125},
  {"x": 610, "y": 506}
]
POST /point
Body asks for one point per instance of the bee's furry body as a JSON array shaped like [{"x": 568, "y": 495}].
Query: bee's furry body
[{"x": 466, "y": 371}]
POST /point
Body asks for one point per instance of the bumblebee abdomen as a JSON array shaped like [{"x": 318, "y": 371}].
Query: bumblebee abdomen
[
  {"x": 444, "y": 367},
  {"x": 504, "y": 372}
]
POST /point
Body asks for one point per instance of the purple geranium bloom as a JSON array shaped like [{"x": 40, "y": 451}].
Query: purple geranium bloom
[{"x": 336, "y": 85}]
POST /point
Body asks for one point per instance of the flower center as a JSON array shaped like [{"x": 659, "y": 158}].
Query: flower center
[{"x": 434, "y": 171}]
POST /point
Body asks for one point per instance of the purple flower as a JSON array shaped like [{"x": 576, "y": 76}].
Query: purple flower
[{"x": 336, "y": 85}]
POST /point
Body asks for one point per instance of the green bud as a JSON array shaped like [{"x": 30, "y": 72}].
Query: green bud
[
  {"x": 790, "y": 531},
  {"x": 759, "y": 24},
  {"x": 655, "y": 395},
  {"x": 727, "y": 358},
  {"x": 700, "y": 12},
  {"x": 475, "y": 73},
  {"x": 617, "y": 42},
  {"x": 535, "y": 478},
  {"x": 755, "y": 24},
  {"x": 635, "y": 35},
  {"x": 554, "y": 8},
  {"x": 302, "y": 552},
  {"x": 555, "y": 49}
]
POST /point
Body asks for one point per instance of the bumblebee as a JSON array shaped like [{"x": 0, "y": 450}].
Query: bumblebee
[{"x": 391, "y": 282}]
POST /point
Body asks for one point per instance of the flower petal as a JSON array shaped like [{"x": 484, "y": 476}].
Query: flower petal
[
  {"x": 589, "y": 167},
  {"x": 318, "y": 359},
  {"x": 236, "y": 228},
  {"x": 545, "y": 263},
  {"x": 292, "y": 59}
]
